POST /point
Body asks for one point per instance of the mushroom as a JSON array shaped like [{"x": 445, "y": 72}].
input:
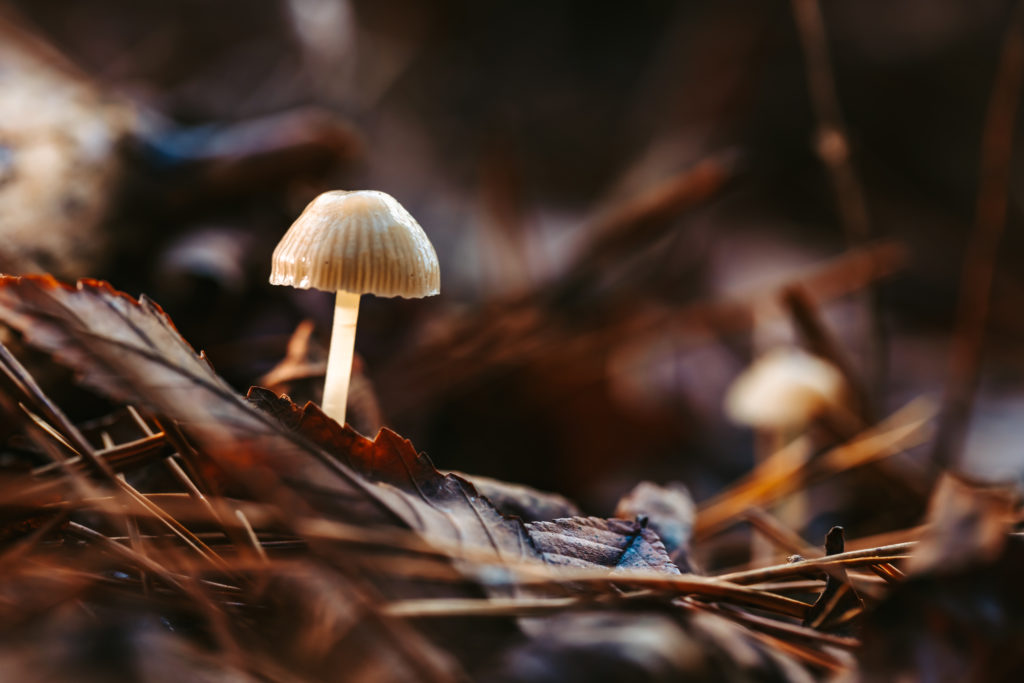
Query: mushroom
[
  {"x": 783, "y": 390},
  {"x": 354, "y": 243}
]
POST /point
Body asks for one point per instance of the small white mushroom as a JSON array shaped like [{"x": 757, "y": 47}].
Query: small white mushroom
[
  {"x": 354, "y": 243},
  {"x": 784, "y": 389}
]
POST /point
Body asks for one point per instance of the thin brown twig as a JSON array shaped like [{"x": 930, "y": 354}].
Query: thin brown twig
[
  {"x": 982, "y": 249},
  {"x": 853, "y": 558},
  {"x": 833, "y": 147},
  {"x": 116, "y": 455},
  {"x": 28, "y": 386},
  {"x": 777, "y": 532},
  {"x": 791, "y": 630},
  {"x": 808, "y": 655},
  {"x": 820, "y": 341}
]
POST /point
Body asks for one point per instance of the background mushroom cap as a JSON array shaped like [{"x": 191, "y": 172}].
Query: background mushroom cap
[
  {"x": 784, "y": 388},
  {"x": 363, "y": 242}
]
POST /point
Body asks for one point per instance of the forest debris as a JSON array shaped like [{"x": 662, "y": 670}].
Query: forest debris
[
  {"x": 643, "y": 646},
  {"x": 524, "y": 502},
  {"x": 838, "y": 592},
  {"x": 967, "y": 524},
  {"x": 668, "y": 510},
  {"x": 961, "y": 624},
  {"x": 397, "y": 541},
  {"x": 788, "y": 469},
  {"x": 585, "y": 542}
]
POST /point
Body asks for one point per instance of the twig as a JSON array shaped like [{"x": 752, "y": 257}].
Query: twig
[
  {"x": 820, "y": 341},
  {"x": 980, "y": 261},
  {"x": 854, "y": 558},
  {"x": 115, "y": 455},
  {"x": 834, "y": 150},
  {"x": 791, "y": 630},
  {"x": 777, "y": 532},
  {"x": 27, "y": 384},
  {"x": 837, "y": 584}
]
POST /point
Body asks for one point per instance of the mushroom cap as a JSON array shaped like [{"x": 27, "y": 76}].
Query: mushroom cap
[
  {"x": 363, "y": 242},
  {"x": 784, "y": 388}
]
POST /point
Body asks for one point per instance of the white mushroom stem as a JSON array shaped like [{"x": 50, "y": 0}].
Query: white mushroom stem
[{"x": 339, "y": 359}]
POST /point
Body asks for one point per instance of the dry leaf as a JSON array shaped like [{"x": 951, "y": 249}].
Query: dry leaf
[
  {"x": 524, "y": 502},
  {"x": 130, "y": 351},
  {"x": 669, "y": 511},
  {"x": 588, "y": 542}
]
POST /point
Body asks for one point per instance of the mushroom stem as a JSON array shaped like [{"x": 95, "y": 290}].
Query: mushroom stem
[{"x": 339, "y": 359}]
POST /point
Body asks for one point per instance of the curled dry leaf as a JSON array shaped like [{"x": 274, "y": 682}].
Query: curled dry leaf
[
  {"x": 448, "y": 507},
  {"x": 443, "y": 507},
  {"x": 130, "y": 351}
]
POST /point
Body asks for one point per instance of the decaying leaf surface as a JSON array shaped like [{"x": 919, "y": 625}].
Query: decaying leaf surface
[
  {"x": 130, "y": 351},
  {"x": 960, "y": 615},
  {"x": 669, "y": 511},
  {"x": 524, "y": 502},
  {"x": 443, "y": 507},
  {"x": 449, "y": 507},
  {"x": 588, "y": 542}
]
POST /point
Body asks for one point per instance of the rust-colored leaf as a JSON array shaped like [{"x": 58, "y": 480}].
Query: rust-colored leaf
[{"x": 130, "y": 351}]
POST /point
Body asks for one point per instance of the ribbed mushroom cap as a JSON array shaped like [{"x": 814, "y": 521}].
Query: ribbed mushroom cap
[{"x": 363, "y": 242}]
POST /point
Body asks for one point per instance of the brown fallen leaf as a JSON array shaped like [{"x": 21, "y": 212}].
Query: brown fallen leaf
[
  {"x": 587, "y": 542},
  {"x": 130, "y": 351},
  {"x": 669, "y": 511},
  {"x": 524, "y": 502},
  {"x": 448, "y": 507},
  {"x": 444, "y": 507}
]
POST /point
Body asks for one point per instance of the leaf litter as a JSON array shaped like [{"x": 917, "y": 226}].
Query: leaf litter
[{"x": 276, "y": 544}]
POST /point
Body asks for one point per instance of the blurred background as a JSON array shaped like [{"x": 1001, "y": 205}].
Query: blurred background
[{"x": 630, "y": 203}]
